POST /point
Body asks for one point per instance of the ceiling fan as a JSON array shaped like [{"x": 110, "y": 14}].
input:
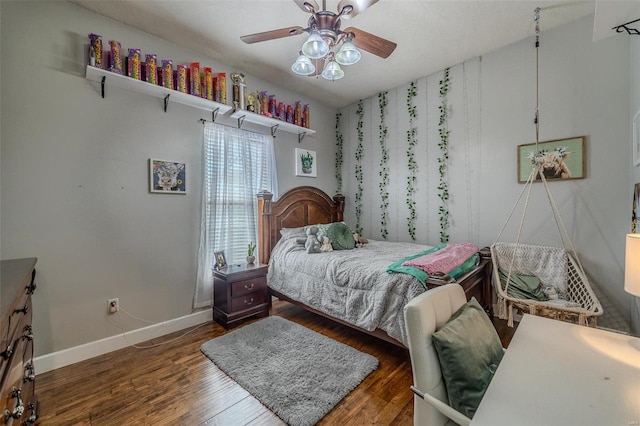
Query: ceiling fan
[{"x": 320, "y": 53}]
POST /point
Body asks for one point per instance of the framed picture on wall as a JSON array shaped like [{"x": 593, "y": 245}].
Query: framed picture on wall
[
  {"x": 636, "y": 139},
  {"x": 306, "y": 163},
  {"x": 167, "y": 177},
  {"x": 635, "y": 221},
  {"x": 561, "y": 159}
]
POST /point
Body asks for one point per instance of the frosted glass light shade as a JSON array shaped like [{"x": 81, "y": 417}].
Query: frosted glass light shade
[
  {"x": 303, "y": 66},
  {"x": 315, "y": 47},
  {"x": 332, "y": 71},
  {"x": 632, "y": 265},
  {"x": 348, "y": 54}
]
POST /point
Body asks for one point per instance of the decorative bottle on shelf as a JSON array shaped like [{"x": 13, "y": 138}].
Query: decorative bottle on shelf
[{"x": 239, "y": 88}]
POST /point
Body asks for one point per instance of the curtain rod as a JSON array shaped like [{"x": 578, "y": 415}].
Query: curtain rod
[{"x": 239, "y": 127}]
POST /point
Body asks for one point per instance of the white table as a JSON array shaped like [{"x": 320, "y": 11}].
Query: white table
[{"x": 556, "y": 373}]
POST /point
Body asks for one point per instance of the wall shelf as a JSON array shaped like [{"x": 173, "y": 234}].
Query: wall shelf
[
  {"x": 128, "y": 83},
  {"x": 273, "y": 123}
]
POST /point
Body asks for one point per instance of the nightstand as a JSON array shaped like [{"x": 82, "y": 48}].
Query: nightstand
[{"x": 240, "y": 292}]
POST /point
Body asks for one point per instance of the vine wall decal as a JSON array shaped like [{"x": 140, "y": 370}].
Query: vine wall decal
[
  {"x": 339, "y": 142},
  {"x": 358, "y": 168},
  {"x": 443, "y": 130},
  {"x": 384, "y": 166},
  {"x": 411, "y": 160}
]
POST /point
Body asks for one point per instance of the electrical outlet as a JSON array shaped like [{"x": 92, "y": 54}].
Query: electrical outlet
[{"x": 113, "y": 305}]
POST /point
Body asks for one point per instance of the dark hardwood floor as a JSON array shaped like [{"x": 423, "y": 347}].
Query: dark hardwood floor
[{"x": 175, "y": 384}]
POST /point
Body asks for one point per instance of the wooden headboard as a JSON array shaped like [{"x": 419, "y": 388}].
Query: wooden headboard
[{"x": 301, "y": 206}]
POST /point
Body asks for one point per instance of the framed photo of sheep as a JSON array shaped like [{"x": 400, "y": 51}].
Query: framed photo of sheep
[
  {"x": 167, "y": 177},
  {"x": 559, "y": 159},
  {"x": 306, "y": 163}
]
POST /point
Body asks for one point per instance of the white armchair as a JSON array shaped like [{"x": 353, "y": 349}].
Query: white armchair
[{"x": 424, "y": 315}]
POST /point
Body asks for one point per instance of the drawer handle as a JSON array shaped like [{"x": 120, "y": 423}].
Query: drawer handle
[
  {"x": 248, "y": 286},
  {"x": 34, "y": 415},
  {"x": 19, "y": 410},
  {"x": 23, "y": 310},
  {"x": 248, "y": 302},
  {"x": 6, "y": 354},
  {"x": 29, "y": 373},
  {"x": 28, "y": 333}
]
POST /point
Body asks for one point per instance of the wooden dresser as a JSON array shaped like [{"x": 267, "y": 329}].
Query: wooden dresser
[
  {"x": 239, "y": 292},
  {"x": 17, "y": 385}
]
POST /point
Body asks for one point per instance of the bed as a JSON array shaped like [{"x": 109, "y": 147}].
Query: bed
[{"x": 367, "y": 299}]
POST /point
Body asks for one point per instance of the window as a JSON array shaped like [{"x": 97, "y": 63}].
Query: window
[{"x": 237, "y": 164}]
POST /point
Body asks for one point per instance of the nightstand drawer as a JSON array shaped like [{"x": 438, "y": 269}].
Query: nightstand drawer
[
  {"x": 250, "y": 285},
  {"x": 248, "y": 301}
]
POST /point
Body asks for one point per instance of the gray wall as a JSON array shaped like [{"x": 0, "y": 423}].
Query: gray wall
[
  {"x": 74, "y": 188},
  {"x": 584, "y": 91},
  {"x": 635, "y": 171},
  {"x": 75, "y": 179}
]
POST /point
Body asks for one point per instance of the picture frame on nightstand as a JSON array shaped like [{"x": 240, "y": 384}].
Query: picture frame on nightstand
[{"x": 220, "y": 260}]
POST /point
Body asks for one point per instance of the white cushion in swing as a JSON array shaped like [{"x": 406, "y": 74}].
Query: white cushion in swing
[{"x": 549, "y": 264}]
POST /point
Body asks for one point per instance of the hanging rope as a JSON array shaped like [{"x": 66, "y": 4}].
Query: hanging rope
[
  {"x": 536, "y": 18},
  {"x": 577, "y": 288}
]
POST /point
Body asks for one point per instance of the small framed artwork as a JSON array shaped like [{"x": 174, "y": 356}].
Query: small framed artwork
[
  {"x": 636, "y": 139},
  {"x": 635, "y": 210},
  {"x": 220, "y": 260},
  {"x": 306, "y": 163},
  {"x": 167, "y": 177},
  {"x": 559, "y": 159}
]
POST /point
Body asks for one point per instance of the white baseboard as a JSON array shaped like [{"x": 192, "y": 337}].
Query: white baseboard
[{"x": 83, "y": 352}]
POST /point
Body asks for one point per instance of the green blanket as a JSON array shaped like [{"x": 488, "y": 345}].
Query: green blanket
[
  {"x": 522, "y": 286},
  {"x": 396, "y": 267}
]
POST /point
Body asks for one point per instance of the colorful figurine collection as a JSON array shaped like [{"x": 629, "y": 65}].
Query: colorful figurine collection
[
  {"x": 186, "y": 78},
  {"x": 191, "y": 79}
]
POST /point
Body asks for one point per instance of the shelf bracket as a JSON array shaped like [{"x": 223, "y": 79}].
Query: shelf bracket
[
  {"x": 166, "y": 101},
  {"x": 241, "y": 121},
  {"x": 301, "y": 136},
  {"x": 274, "y": 128},
  {"x": 214, "y": 114},
  {"x": 628, "y": 28},
  {"x": 104, "y": 78}
]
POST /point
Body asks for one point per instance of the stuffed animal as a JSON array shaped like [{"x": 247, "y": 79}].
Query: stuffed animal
[
  {"x": 360, "y": 241},
  {"x": 311, "y": 243},
  {"x": 326, "y": 244}
]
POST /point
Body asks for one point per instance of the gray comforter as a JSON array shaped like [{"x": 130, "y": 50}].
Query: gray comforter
[{"x": 351, "y": 285}]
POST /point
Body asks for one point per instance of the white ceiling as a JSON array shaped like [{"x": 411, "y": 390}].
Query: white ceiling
[{"x": 431, "y": 35}]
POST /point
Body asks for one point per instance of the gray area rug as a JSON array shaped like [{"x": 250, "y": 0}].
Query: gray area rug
[{"x": 297, "y": 373}]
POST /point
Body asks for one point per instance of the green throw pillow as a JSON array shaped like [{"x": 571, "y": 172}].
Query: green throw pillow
[
  {"x": 339, "y": 234},
  {"x": 469, "y": 351}
]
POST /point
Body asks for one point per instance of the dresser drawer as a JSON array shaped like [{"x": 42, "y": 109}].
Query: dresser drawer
[
  {"x": 240, "y": 292},
  {"x": 248, "y": 301},
  {"x": 240, "y": 288},
  {"x": 18, "y": 390}
]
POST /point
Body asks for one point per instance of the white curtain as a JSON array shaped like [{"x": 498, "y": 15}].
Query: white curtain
[{"x": 236, "y": 165}]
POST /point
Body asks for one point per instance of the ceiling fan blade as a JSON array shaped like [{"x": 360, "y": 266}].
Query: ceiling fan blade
[
  {"x": 271, "y": 35},
  {"x": 357, "y": 6},
  {"x": 371, "y": 43},
  {"x": 309, "y": 6}
]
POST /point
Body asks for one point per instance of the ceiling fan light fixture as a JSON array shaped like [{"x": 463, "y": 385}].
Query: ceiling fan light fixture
[
  {"x": 332, "y": 71},
  {"x": 303, "y": 66},
  {"x": 348, "y": 54},
  {"x": 315, "y": 47}
]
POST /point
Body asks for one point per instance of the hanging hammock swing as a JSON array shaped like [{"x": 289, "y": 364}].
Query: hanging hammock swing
[{"x": 536, "y": 279}]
